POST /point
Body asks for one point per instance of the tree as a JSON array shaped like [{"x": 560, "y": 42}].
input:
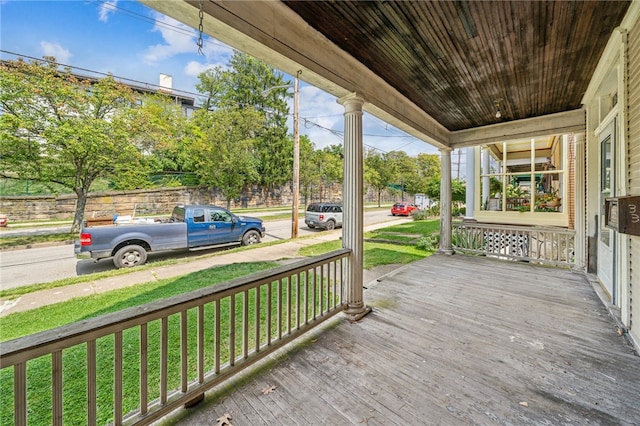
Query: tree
[
  {"x": 223, "y": 149},
  {"x": 319, "y": 168},
  {"x": 56, "y": 127},
  {"x": 162, "y": 138},
  {"x": 428, "y": 169},
  {"x": 378, "y": 172},
  {"x": 458, "y": 190},
  {"x": 240, "y": 86}
]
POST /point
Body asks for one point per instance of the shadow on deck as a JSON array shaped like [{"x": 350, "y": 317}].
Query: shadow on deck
[{"x": 451, "y": 340}]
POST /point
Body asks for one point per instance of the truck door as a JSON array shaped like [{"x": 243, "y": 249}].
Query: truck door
[
  {"x": 198, "y": 229},
  {"x": 221, "y": 229}
]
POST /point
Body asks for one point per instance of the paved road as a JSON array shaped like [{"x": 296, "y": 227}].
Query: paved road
[{"x": 46, "y": 264}]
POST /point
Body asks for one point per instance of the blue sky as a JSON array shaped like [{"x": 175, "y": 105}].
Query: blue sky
[{"x": 136, "y": 43}]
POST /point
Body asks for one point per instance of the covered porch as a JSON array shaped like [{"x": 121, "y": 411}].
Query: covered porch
[{"x": 451, "y": 340}]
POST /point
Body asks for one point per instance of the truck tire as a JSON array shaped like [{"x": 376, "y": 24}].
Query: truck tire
[
  {"x": 250, "y": 237},
  {"x": 331, "y": 225},
  {"x": 129, "y": 256}
]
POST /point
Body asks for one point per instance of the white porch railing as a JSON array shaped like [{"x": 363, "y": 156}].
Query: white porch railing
[
  {"x": 139, "y": 364},
  {"x": 554, "y": 246}
]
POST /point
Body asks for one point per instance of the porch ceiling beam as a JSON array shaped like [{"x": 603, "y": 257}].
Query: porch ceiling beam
[
  {"x": 548, "y": 125},
  {"x": 274, "y": 33}
]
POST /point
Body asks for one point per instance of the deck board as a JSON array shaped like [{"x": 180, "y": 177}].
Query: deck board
[{"x": 452, "y": 340}]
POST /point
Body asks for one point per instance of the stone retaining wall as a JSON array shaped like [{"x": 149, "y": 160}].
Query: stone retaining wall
[{"x": 145, "y": 202}]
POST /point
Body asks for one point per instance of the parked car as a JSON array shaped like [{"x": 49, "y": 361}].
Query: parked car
[
  {"x": 323, "y": 215},
  {"x": 403, "y": 209}
]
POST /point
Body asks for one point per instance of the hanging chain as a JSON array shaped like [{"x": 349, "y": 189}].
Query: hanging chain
[{"x": 200, "y": 29}]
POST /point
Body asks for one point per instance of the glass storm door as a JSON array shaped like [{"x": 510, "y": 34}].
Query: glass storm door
[{"x": 607, "y": 237}]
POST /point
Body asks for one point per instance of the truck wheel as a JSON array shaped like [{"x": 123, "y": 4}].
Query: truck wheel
[
  {"x": 251, "y": 237},
  {"x": 331, "y": 225},
  {"x": 129, "y": 256}
]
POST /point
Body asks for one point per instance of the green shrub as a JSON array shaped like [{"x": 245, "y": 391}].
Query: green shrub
[
  {"x": 429, "y": 242},
  {"x": 420, "y": 215}
]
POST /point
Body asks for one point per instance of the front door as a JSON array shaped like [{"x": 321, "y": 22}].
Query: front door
[{"x": 607, "y": 237}]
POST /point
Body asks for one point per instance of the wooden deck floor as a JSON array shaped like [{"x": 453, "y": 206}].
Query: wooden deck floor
[{"x": 452, "y": 340}]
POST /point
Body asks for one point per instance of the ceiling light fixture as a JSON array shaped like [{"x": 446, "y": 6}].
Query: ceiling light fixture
[{"x": 498, "y": 113}]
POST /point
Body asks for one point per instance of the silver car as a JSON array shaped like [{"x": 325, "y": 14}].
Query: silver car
[{"x": 323, "y": 215}]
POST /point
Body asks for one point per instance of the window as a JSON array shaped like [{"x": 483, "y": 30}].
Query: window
[
  {"x": 526, "y": 176},
  {"x": 198, "y": 215}
]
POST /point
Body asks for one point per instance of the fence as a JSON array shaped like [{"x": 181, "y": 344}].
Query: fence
[{"x": 139, "y": 364}]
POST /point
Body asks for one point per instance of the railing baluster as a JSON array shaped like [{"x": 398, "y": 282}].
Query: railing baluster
[
  {"x": 92, "y": 393},
  {"x": 20, "y": 394},
  {"x": 334, "y": 279},
  {"x": 323, "y": 305},
  {"x": 307, "y": 297},
  {"x": 117, "y": 385},
  {"x": 56, "y": 380},
  {"x": 216, "y": 337},
  {"x": 184, "y": 353},
  {"x": 257, "y": 320},
  {"x": 314, "y": 292},
  {"x": 200, "y": 332},
  {"x": 164, "y": 358},
  {"x": 298, "y": 297},
  {"x": 280, "y": 308},
  {"x": 144, "y": 368},
  {"x": 232, "y": 329},
  {"x": 289, "y": 306},
  {"x": 270, "y": 308},
  {"x": 245, "y": 325}
]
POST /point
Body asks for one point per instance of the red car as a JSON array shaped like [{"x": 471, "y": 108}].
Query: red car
[{"x": 403, "y": 209}]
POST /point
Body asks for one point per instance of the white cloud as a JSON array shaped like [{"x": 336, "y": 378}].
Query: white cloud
[
  {"x": 195, "y": 68},
  {"x": 61, "y": 54},
  {"x": 105, "y": 9},
  {"x": 178, "y": 38}
]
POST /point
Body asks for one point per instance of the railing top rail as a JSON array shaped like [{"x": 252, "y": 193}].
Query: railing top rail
[
  {"x": 536, "y": 228},
  {"x": 12, "y": 351}
]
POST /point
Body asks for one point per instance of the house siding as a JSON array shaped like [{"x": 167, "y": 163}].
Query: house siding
[{"x": 633, "y": 172}]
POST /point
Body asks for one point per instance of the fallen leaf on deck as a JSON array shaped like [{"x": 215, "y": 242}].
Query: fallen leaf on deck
[
  {"x": 224, "y": 420},
  {"x": 524, "y": 404},
  {"x": 268, "y": 390}
]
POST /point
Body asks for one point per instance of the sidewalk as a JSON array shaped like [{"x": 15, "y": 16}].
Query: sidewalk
[{"x": 276, "y": 252}]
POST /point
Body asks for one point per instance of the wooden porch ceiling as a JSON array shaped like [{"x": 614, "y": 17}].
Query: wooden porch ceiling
[
  {"x": 456, "y": 59},
  {"x": 434, "y": 69}
]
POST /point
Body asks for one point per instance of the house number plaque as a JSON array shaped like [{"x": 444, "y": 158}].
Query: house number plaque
[{"x": 623, "y": 214}]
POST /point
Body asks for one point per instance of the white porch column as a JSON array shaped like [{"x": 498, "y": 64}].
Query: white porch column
[
  {"x": 353, "y": 223},
  {"x": 486, "y": 182},
  {"x": 445, "y": 201},
  {"x": 471, "y": 182}
]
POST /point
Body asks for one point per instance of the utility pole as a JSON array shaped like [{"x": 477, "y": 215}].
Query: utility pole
[{"x": 296, "y": 156}]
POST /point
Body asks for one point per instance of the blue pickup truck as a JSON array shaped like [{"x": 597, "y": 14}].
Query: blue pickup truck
[{"x": 193, "y": 227}]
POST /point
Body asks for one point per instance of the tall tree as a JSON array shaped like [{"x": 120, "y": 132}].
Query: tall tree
[
  {"x": 325, "y": 168},
  {"x": 223, "y": 149},
  {"x": 378, "y": 172},
  {"x": 241, "y": 85},
  {"x": 163, "y": 139},
  {"x": 58, "y": 128}
]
